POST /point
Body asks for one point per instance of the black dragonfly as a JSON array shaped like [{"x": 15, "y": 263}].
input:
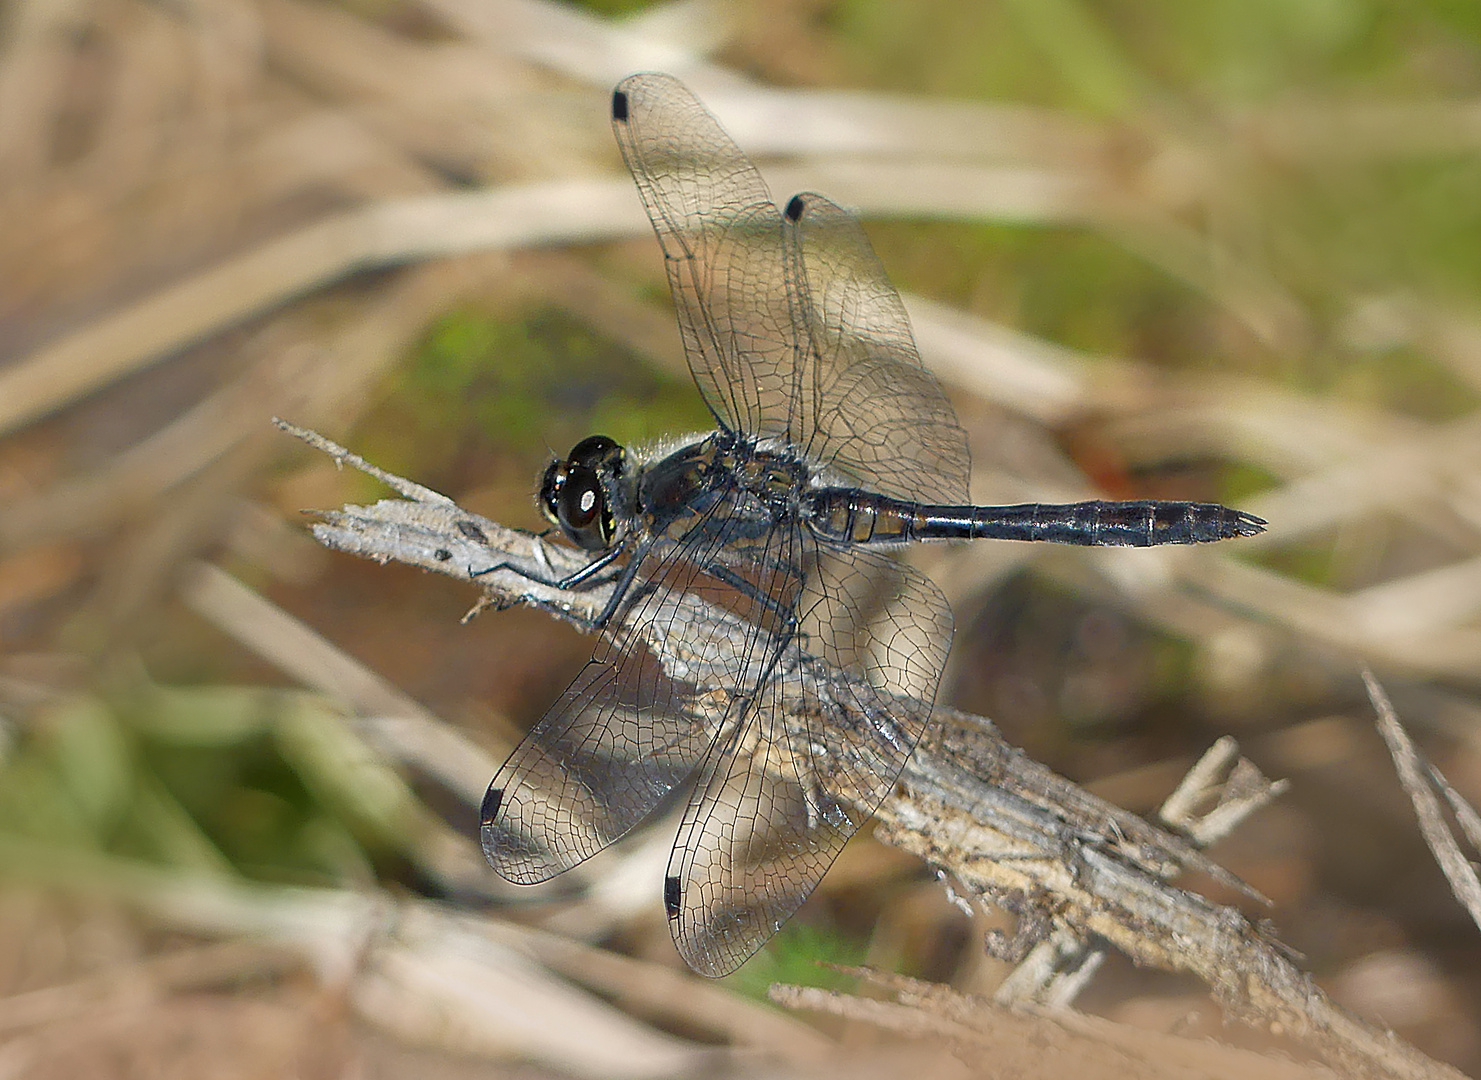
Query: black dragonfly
[{"x": 833, "y": 446}]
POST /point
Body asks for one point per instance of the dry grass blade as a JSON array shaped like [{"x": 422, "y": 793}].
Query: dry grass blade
[
  {"x": 416, "y": 970},
  {"x": 1218, "y": 794},
  {"x": 673, "y": 994},
  {"x": 1421, "y": 780},
  {"x": 379, "y": 235},
  {"x": 268, "y": 630},
  {"x": 31, "y": 78},
  {"x": 172, "y": 972},
  {"x": 399, "y": 231},
  {"x": 1036, "y": 1044},
  {"x": 581, "y": 46}
]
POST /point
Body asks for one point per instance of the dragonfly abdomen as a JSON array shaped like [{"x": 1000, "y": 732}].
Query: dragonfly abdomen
[
  {"x": 850, "y": 515},
  {"x": 1140, "y": 523}
]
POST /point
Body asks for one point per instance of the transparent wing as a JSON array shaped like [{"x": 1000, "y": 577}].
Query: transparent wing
[
  {"x": 721, "y": 235},
  {"x": 792, "y": 330},
  {"x": 786, "y": 788},
  {"x": 791, "y": 326},
  {"x": 598, "y": 762},
  {"x": 634, "y": 724},
  {"x": 875, "y": 411}
]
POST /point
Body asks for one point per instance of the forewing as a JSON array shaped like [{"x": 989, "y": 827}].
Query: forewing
[
  {"x": 873, "y": 409},
  {"x": 722, "y": 240},
  {"x": 599, "y": 760},
  {"x": 595, "y": 765},
  {"x": 691, "y": 636},
  {"x": 789, "y": 322},
  {"x": 782, "y": 793}
]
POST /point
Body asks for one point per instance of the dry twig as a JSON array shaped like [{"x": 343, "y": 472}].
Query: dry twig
[{"x": 1018, "y": 1039}]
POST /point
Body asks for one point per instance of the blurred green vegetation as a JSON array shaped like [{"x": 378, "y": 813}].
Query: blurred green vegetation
[
  {"x": 1332, "y": 229},
  {"x": 799, "y": 954},
  {"x": 216, "y": 780},
  {"x": 1071, "y": 286},
  {"x": 1114, "y": 56},
  {"x": 520, "y": 389}
]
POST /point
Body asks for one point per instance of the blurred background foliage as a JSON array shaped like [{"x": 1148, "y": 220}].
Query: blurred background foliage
[{"x": 1254, "y": 262}]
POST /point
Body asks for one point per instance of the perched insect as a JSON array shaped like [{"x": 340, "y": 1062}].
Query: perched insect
[{"x": 833, "y": 445}]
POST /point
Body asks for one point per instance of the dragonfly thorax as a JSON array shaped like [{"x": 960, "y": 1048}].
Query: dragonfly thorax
[{"x": 771, "y": 475}]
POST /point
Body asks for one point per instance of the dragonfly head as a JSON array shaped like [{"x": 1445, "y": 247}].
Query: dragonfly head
[{"x": 581, "y": 493}]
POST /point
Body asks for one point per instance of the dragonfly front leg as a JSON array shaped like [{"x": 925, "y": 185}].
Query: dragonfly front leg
[
  {"x": 591, "y": 575},
  {"x": 569, "y": 581}
]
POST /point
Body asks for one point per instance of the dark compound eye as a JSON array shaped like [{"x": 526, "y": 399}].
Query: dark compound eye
[
  {"x": 580, "y": 498},
  {"x": 573, "y": 494},
  {"x": 595, "y": 451},
  {"x": 583, "y": 511}
]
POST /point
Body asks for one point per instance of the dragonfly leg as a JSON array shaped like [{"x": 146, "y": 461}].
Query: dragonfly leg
[
  {"x": 583, "y": 576},
  {"x": 624, "y": 581},
  {"x": 750, "y": 591},
  {"x": 570, "y": 581}
]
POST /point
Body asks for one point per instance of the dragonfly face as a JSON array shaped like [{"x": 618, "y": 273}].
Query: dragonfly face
[{"x": 583, "y": 493}]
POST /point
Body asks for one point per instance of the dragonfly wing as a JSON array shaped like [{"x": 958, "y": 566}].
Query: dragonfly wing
[
  {"x": 597, "y": 763},
  {"x": 872, "y": 408},
  {"x": 790, "y": 324},
  {"x": 722, "y": 240},
  {"x": 613, "y": 745},
  {"x": 694, "y": 633},
  {"x": 803, "y": 769}
]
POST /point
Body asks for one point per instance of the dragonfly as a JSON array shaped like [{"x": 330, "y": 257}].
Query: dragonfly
[{"x": 833, "y": 448}]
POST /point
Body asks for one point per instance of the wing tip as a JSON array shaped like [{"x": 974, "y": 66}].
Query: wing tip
[
  {"x": 492, "y": 800},
  {"x": 619, "y": 106}
]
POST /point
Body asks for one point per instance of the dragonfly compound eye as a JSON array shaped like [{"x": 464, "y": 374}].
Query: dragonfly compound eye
[
  {"x": 583, "y": 511},
  {"x": 598, "y": 452}
]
